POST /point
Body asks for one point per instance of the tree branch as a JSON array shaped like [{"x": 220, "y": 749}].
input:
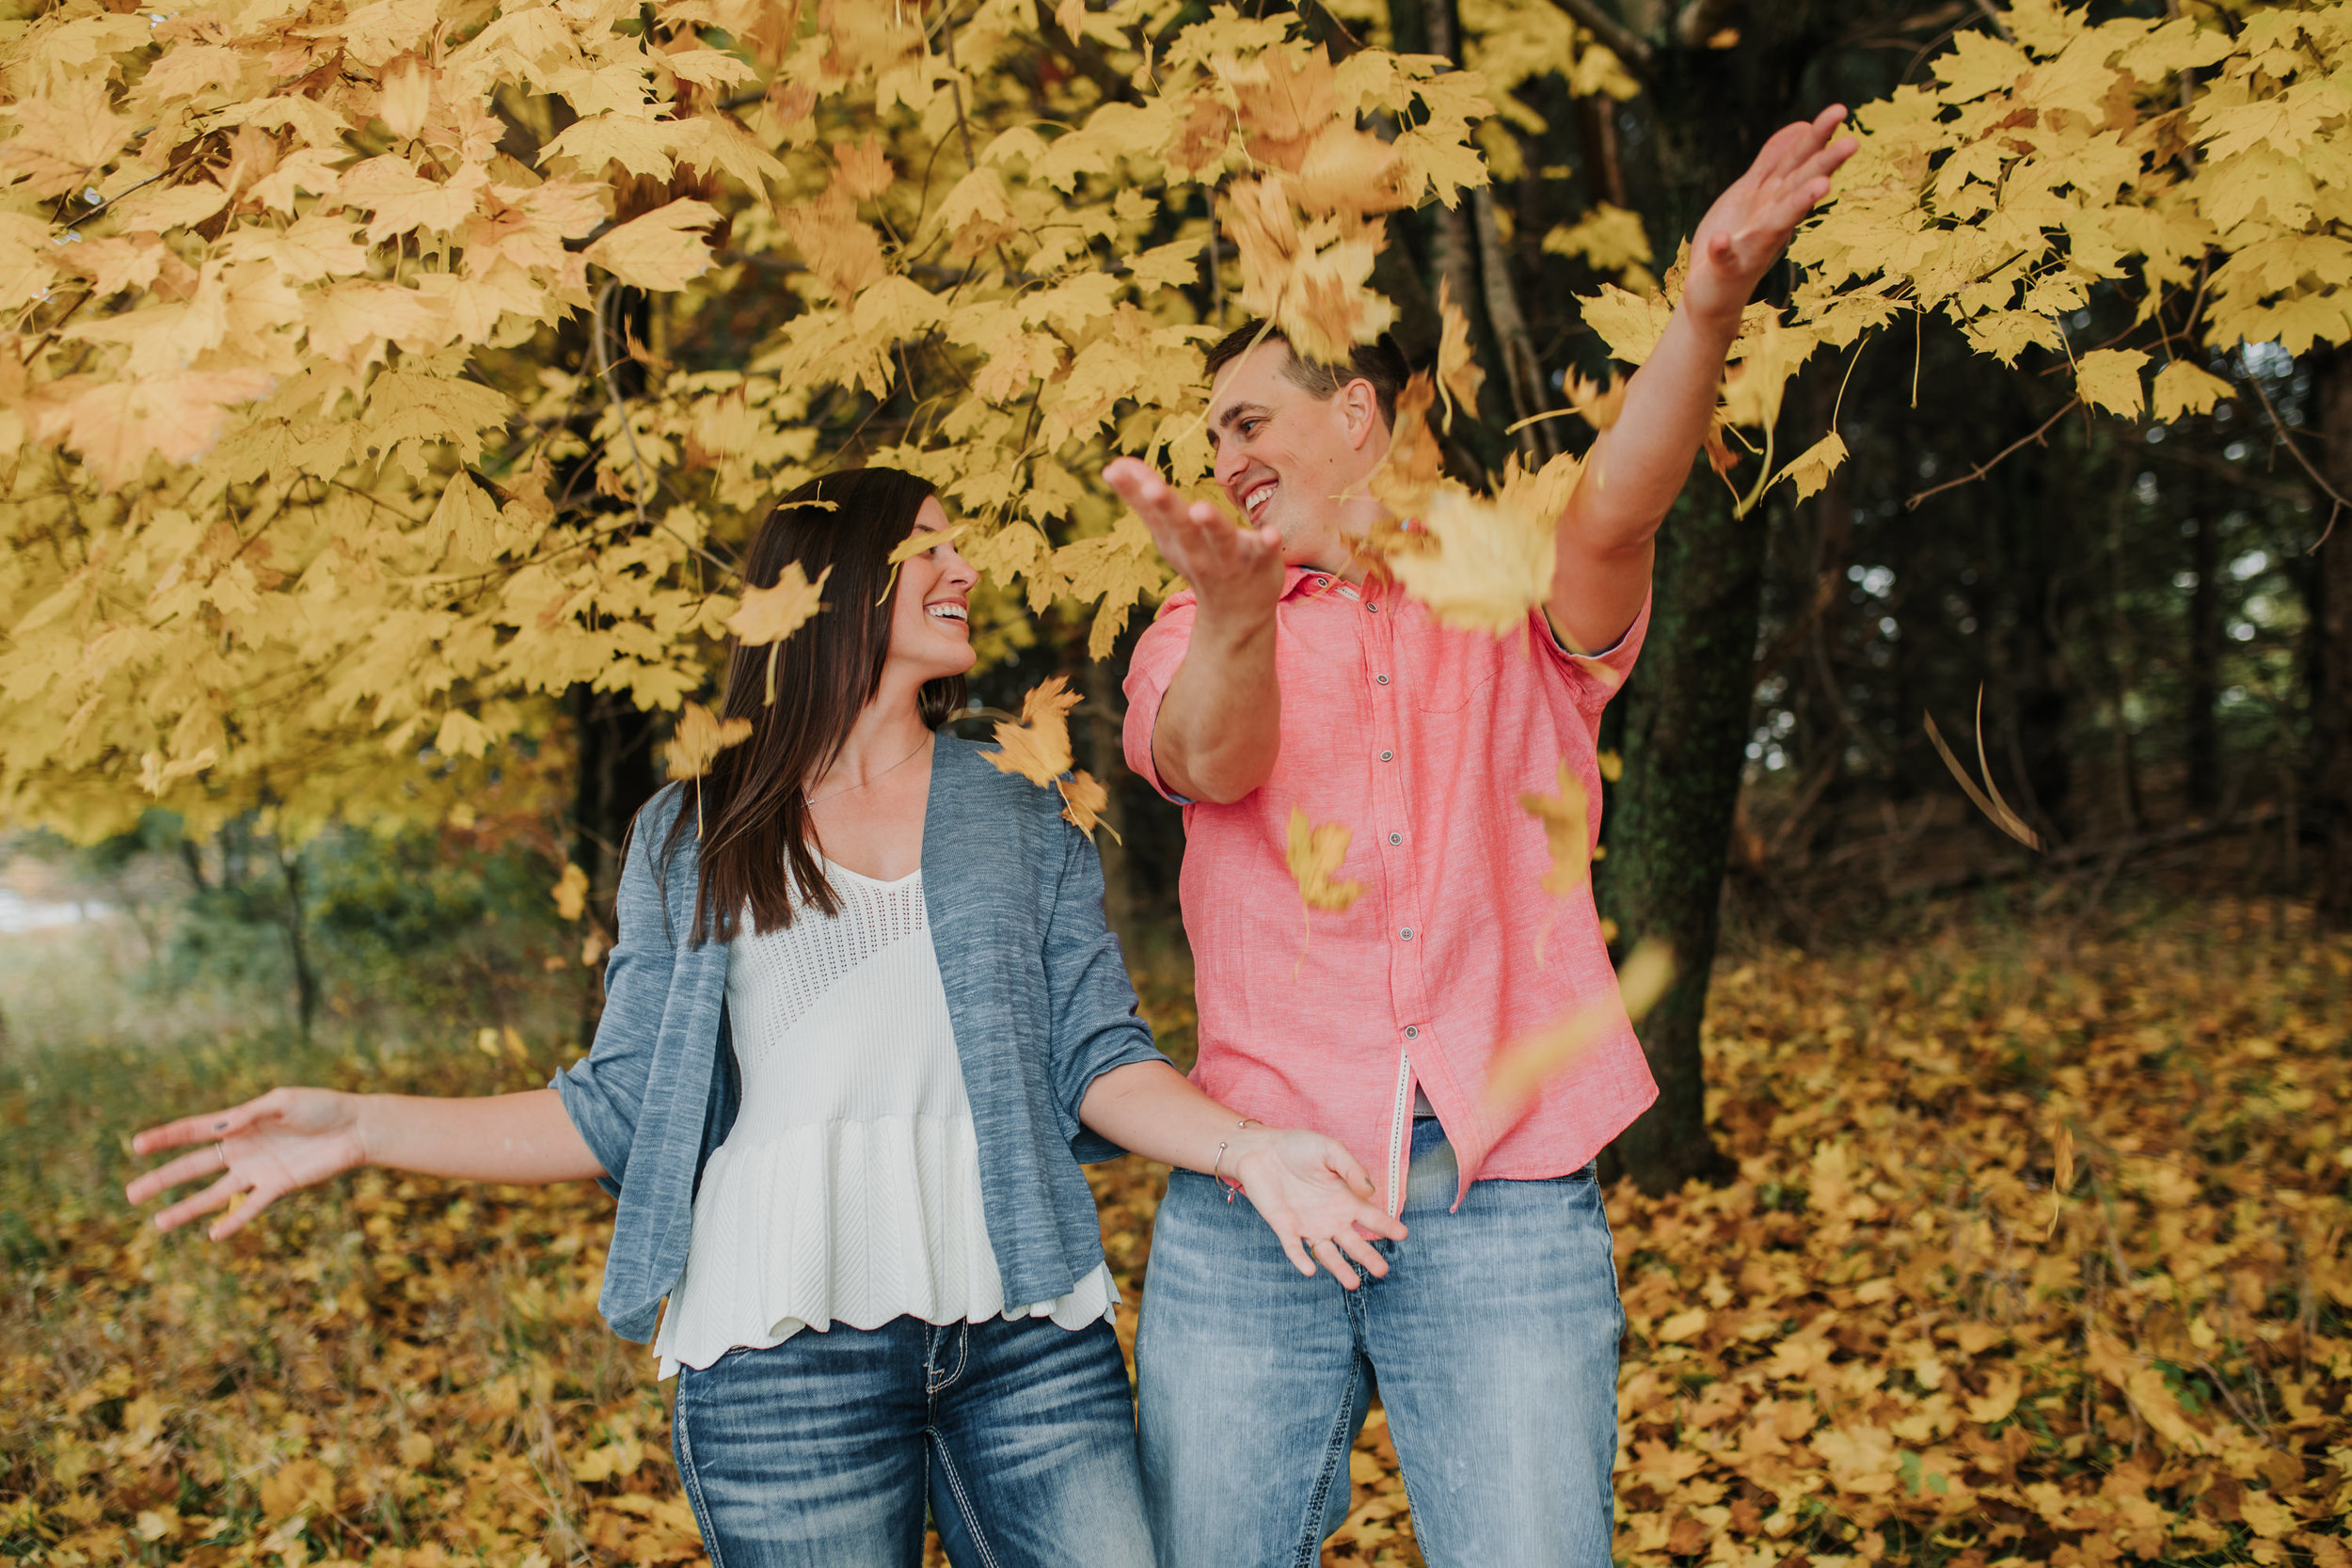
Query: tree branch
[
  {"x": 1993, "y": 461},
  {"x": 1619, "y": 39},
  {"x": 2279, "y": 428}
]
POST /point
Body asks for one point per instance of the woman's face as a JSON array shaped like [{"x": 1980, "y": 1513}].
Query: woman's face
[{"x": 931, "y": 634}]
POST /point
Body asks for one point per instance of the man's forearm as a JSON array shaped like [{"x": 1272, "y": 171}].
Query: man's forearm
[
  {"x": 1639, "y": 463},
  {"x": 1220, "y": 722}
]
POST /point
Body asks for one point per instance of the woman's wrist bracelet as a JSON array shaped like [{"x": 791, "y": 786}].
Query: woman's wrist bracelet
[{"x": 1216, "y": 1167}]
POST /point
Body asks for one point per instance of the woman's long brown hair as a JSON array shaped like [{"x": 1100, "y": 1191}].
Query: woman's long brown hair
[{"x": 757, "y": 846}]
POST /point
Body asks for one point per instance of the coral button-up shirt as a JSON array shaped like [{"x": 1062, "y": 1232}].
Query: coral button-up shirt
[{"x": 1420, "y": 738}]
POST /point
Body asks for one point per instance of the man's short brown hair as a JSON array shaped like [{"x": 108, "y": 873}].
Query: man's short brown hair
[{"x": 1380, "y": 362}]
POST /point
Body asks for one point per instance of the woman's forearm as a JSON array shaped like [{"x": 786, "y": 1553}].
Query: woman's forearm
[
  {"x": 1151, "y": 1109},
  {"x": 522, "y": 1138}
]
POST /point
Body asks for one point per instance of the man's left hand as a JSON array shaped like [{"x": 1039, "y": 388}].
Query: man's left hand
[{"x": 1749, "y": 226}]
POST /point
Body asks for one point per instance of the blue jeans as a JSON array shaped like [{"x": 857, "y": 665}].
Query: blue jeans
[
  {"x": 1493, "y": 1343},
  {"x": 821, "y": 1451}
]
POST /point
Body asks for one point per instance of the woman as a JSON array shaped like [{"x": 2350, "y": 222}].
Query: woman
[{"x": 863, "y": 1022}]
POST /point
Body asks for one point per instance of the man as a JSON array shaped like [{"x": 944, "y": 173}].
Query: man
[{"x": 1288, "y": 678}]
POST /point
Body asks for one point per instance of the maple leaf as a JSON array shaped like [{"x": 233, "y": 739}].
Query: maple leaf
[
  {"x": 662, "y": 250},
  {"x": 2184, "y": 388},
  {"x": 1038, "y": 746},
  {"x": 2109, "y": 379},
  {"x": 1459, "y": 374},
  {"x": 1409, "y": 475},
  {"x": 698, "y": 739},
  {"x": 773, "y": 614},
  {"x": 1083, "y": 799},
  {"x": 1597, "y": 404},
  {"x": 1314, "y": 853},
  {"x": 1483, "y": 565}
]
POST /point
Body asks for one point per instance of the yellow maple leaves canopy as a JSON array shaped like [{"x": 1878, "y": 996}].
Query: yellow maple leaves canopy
[
  {"x": 378, "y": 373},
  {"x": 381, "y": 372}
]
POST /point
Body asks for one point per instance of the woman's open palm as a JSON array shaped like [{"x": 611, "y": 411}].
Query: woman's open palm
[
  {"x": 1318, "y": 1201},
  {"x": 262, "y": 1149}
]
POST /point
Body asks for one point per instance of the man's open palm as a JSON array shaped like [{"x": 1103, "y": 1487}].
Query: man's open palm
[
  {"x": 1749, "y": 225},
  {"x": 1229, "y": 567}
]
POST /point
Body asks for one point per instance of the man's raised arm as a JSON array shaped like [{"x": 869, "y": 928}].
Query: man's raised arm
[
  {"x": 1638, "y": 466},
  {"x": 1221, "y": 724}
]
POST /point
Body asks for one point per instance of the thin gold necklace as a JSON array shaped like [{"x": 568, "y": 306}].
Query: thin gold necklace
[{"x": 863, "y": 784}]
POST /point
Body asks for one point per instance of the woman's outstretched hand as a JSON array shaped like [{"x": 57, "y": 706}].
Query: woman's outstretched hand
[
  {"x": 1317, "y": 1198},
  {"x": 263, "y": 1149}
]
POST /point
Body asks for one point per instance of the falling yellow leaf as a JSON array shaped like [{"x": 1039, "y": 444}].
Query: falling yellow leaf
[
  {"x": 1986, "y": 800},
  {"x": 1315, "y": 853},
  {"x": 772, "y": 614},
  {"x": 1567, "y": 829},
  {"x": 927, "y": 539},
  {"x": 1482, "y": 564},
  {"x": 2062, "y": 1176},
  {"x": 1038, "y": 747},
  {"x": 1611, "y": 765},
  {"x": 698, "y": 741},
  {"x": 1525, "y": 1063},
  {"x": 1083, "y": 797},
  {"x": 1599, "y": 404},
  {"x": 1459, "y": 374},
  {"x": 571, "y": 894},
  {"x": 1409, "y": 475}
]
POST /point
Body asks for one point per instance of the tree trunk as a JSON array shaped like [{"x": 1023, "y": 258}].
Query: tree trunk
[
  {"x": 297, "y": 940},
  {"x": 1689, "y": 702},
  {"x": 1685, "y": 732},
  {"x": 2203, "y": 685},
  {"x": 2332, "y": 656},
  {"x": 614, "y": 776}
]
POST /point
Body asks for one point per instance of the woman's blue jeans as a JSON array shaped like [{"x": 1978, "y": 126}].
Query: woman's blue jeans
[
  {"x": 1492, "y": 1340},
  {"x": 823, "y": 1451}
]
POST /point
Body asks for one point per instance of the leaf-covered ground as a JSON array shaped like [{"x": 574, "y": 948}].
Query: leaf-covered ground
[{"x": 1874, "y": 1344}]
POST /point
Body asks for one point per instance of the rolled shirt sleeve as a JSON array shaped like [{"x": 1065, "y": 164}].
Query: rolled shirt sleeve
[{"x": 1158, "y": 652}]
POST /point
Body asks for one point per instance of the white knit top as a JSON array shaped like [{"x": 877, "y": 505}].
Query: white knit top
[{"x": 849, "y": 1189}]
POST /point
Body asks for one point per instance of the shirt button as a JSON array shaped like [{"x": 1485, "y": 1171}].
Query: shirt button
[
  {"x": 1412, "y": 1030},
  {"x": 1372, "y": 609},
  {"x": 1388, "y": 756},
  {"x": 1396, "y": 838},
  {"x": 1382, "y": 679},
  {"x": 1406, "y": 934},
  {"x": 1322, "y": 583}
]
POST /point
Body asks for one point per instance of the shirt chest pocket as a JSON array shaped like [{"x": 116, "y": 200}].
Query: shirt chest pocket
[{"x": 1446, "y": 670}]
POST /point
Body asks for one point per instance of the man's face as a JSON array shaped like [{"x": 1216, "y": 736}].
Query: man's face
[{"x": 1291, "y": 460}]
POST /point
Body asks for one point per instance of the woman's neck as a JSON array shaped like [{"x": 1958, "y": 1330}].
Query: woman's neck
[{"x": 888, "y": 733}]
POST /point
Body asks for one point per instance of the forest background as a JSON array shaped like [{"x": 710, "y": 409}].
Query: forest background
[{"x": 391, "y": 387}]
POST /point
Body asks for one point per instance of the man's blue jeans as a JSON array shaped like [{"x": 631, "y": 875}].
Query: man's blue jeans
[
  {"x": 1493, "y": 1343},
  {"x": 821, "y": 1451}
]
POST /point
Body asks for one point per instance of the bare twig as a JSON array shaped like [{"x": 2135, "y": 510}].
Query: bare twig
[
  {"x": 2279, "y": 428},
  {"x": 1991, "y": 463}
]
